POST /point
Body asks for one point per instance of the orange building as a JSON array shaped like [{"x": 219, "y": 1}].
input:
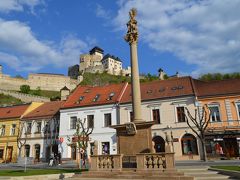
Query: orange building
[{"x": 223, "y": 101}]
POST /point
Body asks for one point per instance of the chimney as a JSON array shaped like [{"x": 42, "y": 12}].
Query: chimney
[
  {"x": 161, "y": 74},
  {"x": 64, "y": 93}
]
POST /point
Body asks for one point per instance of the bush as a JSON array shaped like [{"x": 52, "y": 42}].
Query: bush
[{"x": 25, "y": 89}]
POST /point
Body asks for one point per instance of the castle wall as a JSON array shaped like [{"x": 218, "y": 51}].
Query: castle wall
[
  {"x": 51, "y": 82},
  {"x": 9, "y": 83}
]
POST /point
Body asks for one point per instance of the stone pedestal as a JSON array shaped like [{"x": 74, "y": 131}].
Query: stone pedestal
[{"x": 134, "y": 143}]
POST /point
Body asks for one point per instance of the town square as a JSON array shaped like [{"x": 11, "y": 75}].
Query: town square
[{"x": 138, "y": 89}]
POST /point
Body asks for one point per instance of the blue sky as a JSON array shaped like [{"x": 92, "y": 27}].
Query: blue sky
[{"x": 191, "y": 37}]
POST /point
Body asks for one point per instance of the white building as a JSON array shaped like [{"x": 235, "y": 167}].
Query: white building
[
  {"x": 39, "y": 137},
  {"x": 98, "y": 105},
  {"x": 112, "y": 64},
  {"x": 164, "y": 102}
]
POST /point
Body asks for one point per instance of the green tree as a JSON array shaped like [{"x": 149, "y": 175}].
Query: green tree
[
  {"x": 19, "y": 76},
  {"x": 25, "y": 89},
  {"x": 219, "y": 76}
]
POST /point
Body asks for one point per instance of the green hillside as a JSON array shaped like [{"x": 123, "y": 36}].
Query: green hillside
[
  {"x": 8, "y": 100},
  {"x": 100, "y": 79}
]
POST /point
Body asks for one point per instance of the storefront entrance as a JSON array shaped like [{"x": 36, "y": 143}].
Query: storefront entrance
[{"x": 222, "y": 146}]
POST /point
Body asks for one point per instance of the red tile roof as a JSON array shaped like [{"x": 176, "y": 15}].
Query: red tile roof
[
  {"x": 162, "y": 89},
  {"x": 217, "y": 88},
  {"x": 46, "y": 110},
  {"x": 85, "y": 95},
  {"x": 13, "y": 111}
]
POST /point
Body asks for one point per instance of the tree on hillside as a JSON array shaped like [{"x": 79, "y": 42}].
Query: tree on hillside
[
  {"x": 19, "y": 76},
  {"x": 219, "y": 76},
  {"x": 81, "y": 138},
  {"x": 198, "y": 124},
  {"x": 25, "y": 89}
]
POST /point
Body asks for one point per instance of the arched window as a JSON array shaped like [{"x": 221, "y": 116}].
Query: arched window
[
  {"x": 27, "y": 150},
  {"x": 189, "y": 144},
  {"x": 159, "y": 144}
]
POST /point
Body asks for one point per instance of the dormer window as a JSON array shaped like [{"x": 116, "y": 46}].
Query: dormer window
[
  {"x": 111, "y": 96},
  {"x": 149, "y": 91},
  {"x": 96, "y": 98}
]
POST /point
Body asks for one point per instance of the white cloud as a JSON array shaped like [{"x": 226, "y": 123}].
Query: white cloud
[
  {"x": 101, "y": 12},
  {"x": 201, "y": 32},
  {"x": 22, "y": 50},
  {"x": 18, "y": 5}
]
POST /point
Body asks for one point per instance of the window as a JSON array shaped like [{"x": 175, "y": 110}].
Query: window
[
  {"x": 131, "y": 116},
  {"x": 180, "y": 114},
  {"x": 1, "y": 153},
  {"x": 47, "y": 127},
  {"x": 92, "y": 146},
  {"x": 38, "y": 127},
  {"x": 73, "y": 122},
  {"x": 214, "y": 113},
  {"x": 3, "y": 128},
  {"x": 27, "y": 150},
  {"x": 238, "y": 110},
  {"x": 13, "y": 129},
  {"x": 107, "y": 119},
  {"x": 156, "y": 116},
  {"x": 105, "y": 148},
  {"x": 29, "y": 128},
  {"x": 90, "y": 121}
]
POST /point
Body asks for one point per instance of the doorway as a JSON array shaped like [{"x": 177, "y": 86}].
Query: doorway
[
  {"x": 9, "y": 153},
  {"x": 37, "y": 152},
  {"x": 159, "y": 144}
]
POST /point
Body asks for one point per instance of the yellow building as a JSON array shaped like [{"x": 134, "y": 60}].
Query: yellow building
[
  {"x": 223, "y": 131},
  {"x": 9, "y": 129}
]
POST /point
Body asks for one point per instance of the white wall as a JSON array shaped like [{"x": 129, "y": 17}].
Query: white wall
[
  {"x": 37, "y": 138},
  {"x": 168, "y": 118},
  {"x": 100, "y": 133}
]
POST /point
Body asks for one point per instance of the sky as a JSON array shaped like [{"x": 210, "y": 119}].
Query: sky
[{"x": 192, "y": 37}]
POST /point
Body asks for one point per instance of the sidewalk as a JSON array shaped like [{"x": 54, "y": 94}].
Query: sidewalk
[{"x": 208, "y": 163}]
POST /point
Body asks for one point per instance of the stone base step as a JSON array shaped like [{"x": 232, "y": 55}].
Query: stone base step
[{"x": 171, "y": 175}]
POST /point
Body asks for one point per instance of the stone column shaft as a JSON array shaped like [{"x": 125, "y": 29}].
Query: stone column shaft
[{"x": 136, "y": 92}]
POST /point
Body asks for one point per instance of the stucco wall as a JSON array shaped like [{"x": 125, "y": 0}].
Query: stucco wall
[
  {"x": 168, "y": 120},
  {"x": 100, "y": 133}
]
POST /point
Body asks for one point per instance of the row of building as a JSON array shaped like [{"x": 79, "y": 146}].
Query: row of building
[{"x": 38, "y": 129}]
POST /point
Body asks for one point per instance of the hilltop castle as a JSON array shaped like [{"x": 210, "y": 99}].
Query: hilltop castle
[
  {"x": 93, "y": 62},
  {"x": 96, "y": 61}
]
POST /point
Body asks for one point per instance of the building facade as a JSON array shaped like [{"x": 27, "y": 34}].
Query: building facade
[
  {"x": 164, "y": 102},
  {"x": 39, "y": 138},
  {"x": 98, "y": 107},
  {"x": 223, "y": 100},
  {"x": 9, "y": 130}
]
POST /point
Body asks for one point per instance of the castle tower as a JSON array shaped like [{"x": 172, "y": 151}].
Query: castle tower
[
  {"x": 97, "y": 51},
  {"x": 0, "y": 69}
]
